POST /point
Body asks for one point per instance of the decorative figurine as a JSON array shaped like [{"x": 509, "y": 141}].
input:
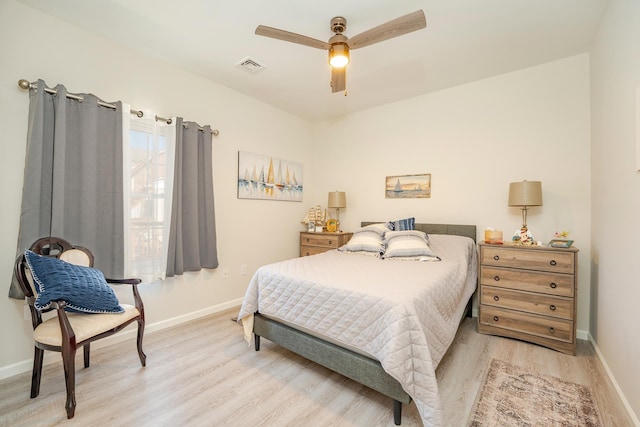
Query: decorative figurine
[{"x": 523, "y": 236}]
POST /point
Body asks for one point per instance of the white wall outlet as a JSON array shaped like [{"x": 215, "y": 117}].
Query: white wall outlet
[
  {"x": 243, "y": 270},
  {"x": 225, "y": 273}
]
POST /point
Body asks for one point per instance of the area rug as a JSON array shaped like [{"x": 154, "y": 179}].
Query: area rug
[{"x": 512, "y": 396}]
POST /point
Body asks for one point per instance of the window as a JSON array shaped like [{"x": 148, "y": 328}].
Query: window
[{"x": 148, "y": 157}]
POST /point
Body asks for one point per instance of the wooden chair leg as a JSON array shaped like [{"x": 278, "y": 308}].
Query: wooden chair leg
[
  {"x": 68, "y": 361},
  {"x": 143, "y": 357},
  {"x": 87, "y": 351},
  {"x": 36, "y": 375}
]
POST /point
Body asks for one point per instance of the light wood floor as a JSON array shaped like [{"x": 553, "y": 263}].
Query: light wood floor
[{"x": 203, "y": 374}]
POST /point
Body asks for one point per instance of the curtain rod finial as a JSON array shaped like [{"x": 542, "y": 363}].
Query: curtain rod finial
[
  {"x": 215, "y": 132},
  {"x": 24, "y": 84}
]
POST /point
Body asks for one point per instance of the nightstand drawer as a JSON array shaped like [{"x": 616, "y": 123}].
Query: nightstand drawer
[
  {"x": 315, "y": 243},
  {"x": 530, "y": 259},
  {"x": 541, "y": 326},
  {"x": 309, "y": 239},
  {"x": 312, "y": 250},
  {"x": 529, "y": 302},
  {"x": 526, "y": 280}
]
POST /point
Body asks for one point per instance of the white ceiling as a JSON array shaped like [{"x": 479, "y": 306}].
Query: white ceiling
[{"x": 465, "y": 40}]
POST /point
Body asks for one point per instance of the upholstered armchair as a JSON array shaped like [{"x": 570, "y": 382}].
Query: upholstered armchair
[{"x": 57, "y": 276}]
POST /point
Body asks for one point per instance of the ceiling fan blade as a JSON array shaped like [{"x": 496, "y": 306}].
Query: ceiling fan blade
[
  {"x": 394, "y": 28},
  {"x": 338, "y": 79},
  {"x": 287, "y": 36}
]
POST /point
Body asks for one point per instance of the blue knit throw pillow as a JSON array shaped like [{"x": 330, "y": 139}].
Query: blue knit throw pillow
[
  {"x": 84, "y": 289},
  {"x": 402, "y": 224}
]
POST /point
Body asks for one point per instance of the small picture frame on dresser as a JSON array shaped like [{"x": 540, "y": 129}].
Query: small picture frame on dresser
[
  {"x": 311, "y": 226},
  {"x": 560, "y": 243}
]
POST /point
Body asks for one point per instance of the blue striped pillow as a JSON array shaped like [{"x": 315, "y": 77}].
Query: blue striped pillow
[{"x": 402, "y": 224}]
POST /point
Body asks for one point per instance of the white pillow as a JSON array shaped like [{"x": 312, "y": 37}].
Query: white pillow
[
  {"x": 380, "y": 228},
  {"x": 407, "y": 243},
  {"x": 364, "y": 240}
]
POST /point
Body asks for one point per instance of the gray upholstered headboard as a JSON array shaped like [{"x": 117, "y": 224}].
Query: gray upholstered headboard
[{"x": 455, "y": 229}]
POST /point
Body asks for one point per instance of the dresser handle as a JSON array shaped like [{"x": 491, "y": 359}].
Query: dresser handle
[
  {"x": 496, "y": 257},
  {"x": 552, "y": 307},
  {"x": 307, "y": 240},
  {"x": 552, "y": 330},
  {"x": 331, "y": 242},
  {"x": 496, "y": 278},
  {"x": 496, "y": 318},
  {"x": 553, "y": 285},
  {"x": 553, "y": 262},
  {"x": 496, "y": 298},
  {"x": 307, "y": 253}
]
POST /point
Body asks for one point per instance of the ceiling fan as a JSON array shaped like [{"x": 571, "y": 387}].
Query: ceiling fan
[{"x": 339, "y": 45}]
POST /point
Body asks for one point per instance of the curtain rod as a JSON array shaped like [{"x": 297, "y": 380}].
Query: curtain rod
[{"x": 26, "y": 84}]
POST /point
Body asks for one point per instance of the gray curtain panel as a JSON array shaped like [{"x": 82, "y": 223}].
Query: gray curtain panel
[
  {"x": 73, "y": 177},
  {"x": 192, "y": 237}
]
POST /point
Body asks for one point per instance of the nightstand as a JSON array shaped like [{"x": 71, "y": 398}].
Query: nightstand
[
  {"x": 529, "y": 293},
  {"x": 315, "y": 243}
]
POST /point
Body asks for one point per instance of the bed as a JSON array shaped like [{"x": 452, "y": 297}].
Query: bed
[{"x": 358, "y": 316}]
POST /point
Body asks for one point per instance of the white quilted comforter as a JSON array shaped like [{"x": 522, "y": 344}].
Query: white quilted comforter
[{"x": 403, "y": 313}]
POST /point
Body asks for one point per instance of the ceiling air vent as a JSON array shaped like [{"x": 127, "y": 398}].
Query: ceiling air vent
[{"x": 249, "y": 65}]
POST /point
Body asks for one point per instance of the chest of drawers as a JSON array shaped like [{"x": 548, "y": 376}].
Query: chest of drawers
[
  {"x": 315, "y": 243},
  {"x": 529, "y": 293}
]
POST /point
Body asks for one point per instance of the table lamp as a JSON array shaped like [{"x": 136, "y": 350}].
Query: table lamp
[
  {"x": 337, "y": 200},
  {"x": 524, "y": 194}
]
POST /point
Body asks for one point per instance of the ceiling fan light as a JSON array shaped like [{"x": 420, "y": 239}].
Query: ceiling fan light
[{"x": 339, "y": 55}]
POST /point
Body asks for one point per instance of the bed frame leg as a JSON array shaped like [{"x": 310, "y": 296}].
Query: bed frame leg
[
  {"x": 397, "y": 412},
  {"x": 256, "y": 340}
]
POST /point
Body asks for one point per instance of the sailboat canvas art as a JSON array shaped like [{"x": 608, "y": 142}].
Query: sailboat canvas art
[
  {"x": 408, "y": 186},
  {"x": 268, "y": 178}
]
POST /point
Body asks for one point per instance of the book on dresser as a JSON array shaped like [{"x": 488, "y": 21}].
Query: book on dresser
[{"x": 529, "y": 293}]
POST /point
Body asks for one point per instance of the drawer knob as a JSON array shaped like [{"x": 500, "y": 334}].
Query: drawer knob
[
  {"x": 496, "y": 298},
  {"x": 496, "y": 278},
  {"x": 307, "y": 253},
  {"x": 307, "y": 240},
  {"x": 553, "y": 285},
  {"x": 552, "y": 307},
  {"x": 331, "y": 242},
  {"x": 496, "y": 318},
  {"x": 496, "y": 257},
  {"x": 553, "y": 262},
  {"x": 552, "y": 329}
]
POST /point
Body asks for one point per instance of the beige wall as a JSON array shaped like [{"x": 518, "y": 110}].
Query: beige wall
[
  {"x": 475, "y": 139},
  {"x": 34, "y": 45},
  {"x": 615, "y": 88}
]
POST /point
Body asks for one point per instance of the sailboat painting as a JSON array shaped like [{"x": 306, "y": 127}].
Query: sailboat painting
[
  {"x": 408, "y": 186},
  {"x": 265, "y": 177}
]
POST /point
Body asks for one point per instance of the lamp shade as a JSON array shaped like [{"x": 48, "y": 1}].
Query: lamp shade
[
  {"x": 525, "y": 193},
  {"x": 337, "y": 199}
]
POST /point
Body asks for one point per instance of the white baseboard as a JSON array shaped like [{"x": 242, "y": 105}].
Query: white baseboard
[
  {"x": 632, "y": 414},
  {"x": 127, "y": 334},
  {"x": 582, "y": 335}
]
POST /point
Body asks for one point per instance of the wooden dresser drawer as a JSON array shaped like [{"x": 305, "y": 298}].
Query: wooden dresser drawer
[
  {"x": 529, "y": 302},
  {"x": 530, "y": 259},
  {"x": 532, "y": 281},
  {"x": 541, "y": 326},
  {"x": 311, "y": 250},
  {"x": 310, "y": 239},
  {"x": 315, "y": 243}
]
